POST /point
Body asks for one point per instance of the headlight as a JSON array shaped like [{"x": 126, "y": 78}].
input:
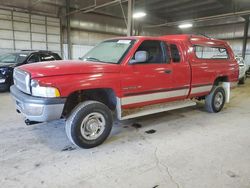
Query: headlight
[
  {"x": 3, "y": 71},
  {"x": 41, "y": 91}
]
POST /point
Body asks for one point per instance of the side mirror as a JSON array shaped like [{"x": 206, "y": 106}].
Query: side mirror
[{"x": 140, "y": 57}]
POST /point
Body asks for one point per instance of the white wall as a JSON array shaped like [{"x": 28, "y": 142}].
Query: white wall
[
  {"x": 82, "y": 41},
  {"x": 77, "y": 51},
  {"x": 23, "y": 31}
]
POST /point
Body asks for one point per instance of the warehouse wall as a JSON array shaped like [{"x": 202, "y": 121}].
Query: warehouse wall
[
  {"x": 82, "y": 41},
  {"x": 90, "y": 29},
  {"x": 29, "y": 31},
  {"x": 23, "y": 31},
  {"x": 87, "y": 30},
  {"x": 226, "y": 31}
]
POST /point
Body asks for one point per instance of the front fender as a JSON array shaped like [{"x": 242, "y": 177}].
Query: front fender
[{"x": 67, "y": 84}]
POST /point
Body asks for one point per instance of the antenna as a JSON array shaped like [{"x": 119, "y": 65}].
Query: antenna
[{"x": 204, "y": 35}]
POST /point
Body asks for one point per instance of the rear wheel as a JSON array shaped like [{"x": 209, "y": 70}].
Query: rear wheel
[
  {"x": 89, "y": 124},
  {"x": 215, "y": 101}
]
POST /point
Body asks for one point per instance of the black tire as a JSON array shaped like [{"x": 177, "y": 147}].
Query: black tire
[
  {"x": 211, "y": 99},
  {"x": 82, "y": 111},
  {"x": 243, "y": 80},
  {"x": 4, "y": 87}
]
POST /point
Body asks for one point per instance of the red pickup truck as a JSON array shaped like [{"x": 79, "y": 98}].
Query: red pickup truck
[{"x": 125, "y": 77}]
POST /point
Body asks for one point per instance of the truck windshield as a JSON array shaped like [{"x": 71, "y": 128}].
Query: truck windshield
[{"x": 111, "y": 51}]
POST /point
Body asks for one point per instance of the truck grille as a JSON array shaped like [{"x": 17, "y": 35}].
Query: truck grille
[{"x": 22, "y": 80}]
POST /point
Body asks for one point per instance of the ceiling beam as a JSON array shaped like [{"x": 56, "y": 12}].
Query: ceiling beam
[
  {"x": 16, "y": 8},
  {"x": 54, "y": 3},
  {"x": 193, "y": 7},
  {"x": 165, "y": 4},
  {"x": 94, "y": 7},
  {"x": 229, "y": 5},
  {"x": 192, "y": 14},
  {"x": 34, "y": 4},
  {"x": 201, "y": 19}
]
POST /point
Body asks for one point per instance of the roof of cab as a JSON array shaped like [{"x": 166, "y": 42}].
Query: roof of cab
[{"x": 193, "y": 39}]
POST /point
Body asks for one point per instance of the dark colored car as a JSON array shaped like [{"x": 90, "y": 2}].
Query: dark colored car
[{"x": 9, "y": 61}]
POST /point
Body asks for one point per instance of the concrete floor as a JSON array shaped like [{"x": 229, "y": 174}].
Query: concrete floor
[{"x": 190, "y": 148}]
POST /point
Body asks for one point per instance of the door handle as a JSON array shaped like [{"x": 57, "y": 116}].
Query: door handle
[{"x": 168, "y": 71}]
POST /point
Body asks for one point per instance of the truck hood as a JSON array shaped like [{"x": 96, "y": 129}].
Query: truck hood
[
  {"x": 6, "y": 65},
  {"x": 65, "y": 67}
]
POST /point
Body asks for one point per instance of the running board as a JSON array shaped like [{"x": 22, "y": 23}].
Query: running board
[{"x": 152, "y": 109}]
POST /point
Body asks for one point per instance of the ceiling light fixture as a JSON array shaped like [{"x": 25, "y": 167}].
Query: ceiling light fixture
[
  {"x": 185, "y": 25},
  {"x": 139, "y": 15}
]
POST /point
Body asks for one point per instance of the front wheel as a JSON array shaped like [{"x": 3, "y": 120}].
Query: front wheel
[
  {"x": 89, "y": 124},
  {"x": 215, "y": 101}
]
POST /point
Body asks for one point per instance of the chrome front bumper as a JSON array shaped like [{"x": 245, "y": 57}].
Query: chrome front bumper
[{"x": 37, "y": 108}]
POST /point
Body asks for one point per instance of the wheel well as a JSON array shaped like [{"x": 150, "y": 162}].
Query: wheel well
[
  {"x": 106, "y": 96},
  {"x": 220, "y": 79}
]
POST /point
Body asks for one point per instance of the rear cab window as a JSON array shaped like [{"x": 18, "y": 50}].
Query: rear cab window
[
  {"x": 206, "y": 52},
  {"x": 175, "y": 53}
]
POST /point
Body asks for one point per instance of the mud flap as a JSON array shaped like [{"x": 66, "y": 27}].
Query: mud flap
[{"x": 226, "y": 86}]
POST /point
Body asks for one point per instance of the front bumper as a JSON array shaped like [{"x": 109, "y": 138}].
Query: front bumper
[{"x": 37, "y": 108}]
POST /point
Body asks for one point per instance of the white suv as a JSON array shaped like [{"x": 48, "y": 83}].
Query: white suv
[{"x": 243, "y": 67}]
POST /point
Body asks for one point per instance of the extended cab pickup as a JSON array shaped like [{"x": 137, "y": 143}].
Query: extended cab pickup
[{"x": 125, "y": 77}]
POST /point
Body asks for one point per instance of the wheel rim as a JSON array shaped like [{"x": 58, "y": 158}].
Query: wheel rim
[
  {"x": 218, "y": 100},
  {"x": 93, "y": 126}
]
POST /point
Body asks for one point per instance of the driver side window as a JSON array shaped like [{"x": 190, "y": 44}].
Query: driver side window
[{"x": 154, "y": 49}]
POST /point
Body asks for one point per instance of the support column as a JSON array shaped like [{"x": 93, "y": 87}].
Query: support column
[
  {"x": 245, "y": 36},
  {"x": 130, "y": 17},
  {"x": 68, "y": 29}
]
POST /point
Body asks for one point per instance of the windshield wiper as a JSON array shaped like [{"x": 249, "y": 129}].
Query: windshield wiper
[
  {"x": 92, "y": 59},
  {"x": 95, "y": 59}
]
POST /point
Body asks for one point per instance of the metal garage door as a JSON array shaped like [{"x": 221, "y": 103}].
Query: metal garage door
[{"x": 22, "y": 31}]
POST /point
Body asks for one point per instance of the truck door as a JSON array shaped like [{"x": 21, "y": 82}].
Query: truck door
[
  {"x": 149, "y": 82},
  {"x": 180, "y": 66}
]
